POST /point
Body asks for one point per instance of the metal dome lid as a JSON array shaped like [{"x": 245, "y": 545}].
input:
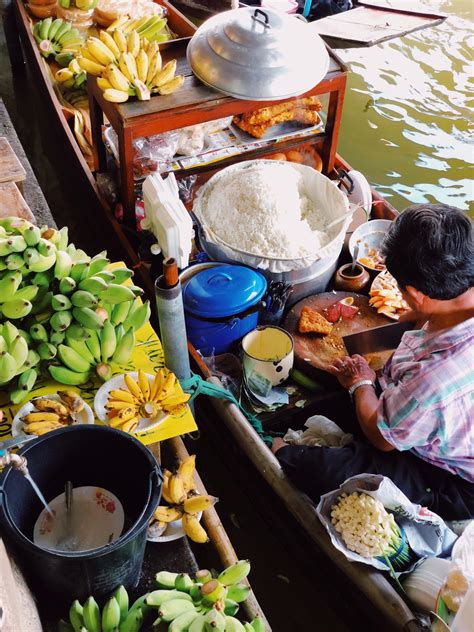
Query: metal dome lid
[{"x": 257, "y": 54}]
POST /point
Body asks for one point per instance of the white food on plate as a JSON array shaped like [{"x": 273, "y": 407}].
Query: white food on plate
[{"x": 265, "y": 211}]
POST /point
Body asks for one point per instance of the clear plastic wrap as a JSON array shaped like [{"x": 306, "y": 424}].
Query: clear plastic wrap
[{"x": 152, "y": 151}]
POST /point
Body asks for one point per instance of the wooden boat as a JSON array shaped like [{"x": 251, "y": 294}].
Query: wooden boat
[{"x": 391, "y": 608}]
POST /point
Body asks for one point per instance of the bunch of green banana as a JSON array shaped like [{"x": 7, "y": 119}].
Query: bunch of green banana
[
  {"x": 58, "y": 38},
  {"x": 153, "y": 28},
  {"x": 116, "y": 615},
  {"x": 183, "y": 605},
  {"x": 17, "y": 359},
  {"x": 62, "y": 308},
  {"x": 128, "y": 64}
]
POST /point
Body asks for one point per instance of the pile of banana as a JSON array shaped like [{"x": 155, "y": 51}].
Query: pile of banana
[
  {"x": 72, "y": 76},
  {"x": 153, "y": 28},
  {"x": 49, "y": 414},
  {"x": 57, "y": 38},
  {"x": 144, "y": 399},
  {"x": 202, "y": 604},
  {"x": 72, "y": 316},
  {"x": 128, "y": 65},
  {"x": 184, "y": 502}
]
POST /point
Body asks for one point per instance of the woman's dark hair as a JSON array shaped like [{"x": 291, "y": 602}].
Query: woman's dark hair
[{"x": 430, "y": 247}]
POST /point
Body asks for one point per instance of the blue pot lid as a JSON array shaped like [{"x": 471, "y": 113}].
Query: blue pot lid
[{"x": 223, "y": 291}]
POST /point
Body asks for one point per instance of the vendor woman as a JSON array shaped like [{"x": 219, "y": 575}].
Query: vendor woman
[{"x": 420, "y": 430}]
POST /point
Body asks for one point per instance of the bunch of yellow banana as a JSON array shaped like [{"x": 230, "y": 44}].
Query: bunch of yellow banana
[
  {"x": 183, "y": 501},
  {"x": 126, "y": 65},
  {"x": 143, "y": 398},
  {"x": 49, "y": 414}
]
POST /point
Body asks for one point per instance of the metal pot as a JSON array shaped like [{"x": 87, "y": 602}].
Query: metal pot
[{"x": 257, "y": 55}]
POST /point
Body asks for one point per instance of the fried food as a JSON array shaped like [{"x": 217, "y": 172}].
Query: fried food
[
  {"x": 313, "y": 322},
  {"x": 303, "y": 110},
  {"x": 301, "y": 115},
  {"x": 385, "y": 296},
  {"x": 257, "y": 117}
]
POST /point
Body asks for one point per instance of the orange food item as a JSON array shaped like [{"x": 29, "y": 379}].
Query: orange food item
[
  {"x": 313, "y": 322},
  {"x": 42, "y": 11},
  {"x": 294, "y": 156},
  {"x": 279, "y": 156}
]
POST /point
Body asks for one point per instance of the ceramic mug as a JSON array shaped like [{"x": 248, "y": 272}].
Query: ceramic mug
[{"x": 267, "y": 358}]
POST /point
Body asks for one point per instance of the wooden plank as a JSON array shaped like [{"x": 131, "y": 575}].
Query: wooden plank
[
  {"x": 11, "y": 169},
  {"x": 13, "y": 203},
  {"x": 369, "y": 26},
  {"x": 403, "y": 6}
]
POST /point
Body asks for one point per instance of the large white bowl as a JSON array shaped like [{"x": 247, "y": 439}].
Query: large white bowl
[{"x": 369, "y": 235}]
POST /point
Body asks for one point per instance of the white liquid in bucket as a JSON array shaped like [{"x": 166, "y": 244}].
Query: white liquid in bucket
[{"x": 96, "y": 518}]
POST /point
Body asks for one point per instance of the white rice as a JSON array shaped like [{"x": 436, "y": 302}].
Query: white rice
[{"x": 264, "y": 211}]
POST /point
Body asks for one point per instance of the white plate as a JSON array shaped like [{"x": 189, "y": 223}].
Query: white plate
[
  {"x": 86, "y": 416},
  {"x": 376, "y": 283},
  {"x": 96, "y": 519},
  {"x": 117, "y": 383},
  {"x": 174, "y": 531}
]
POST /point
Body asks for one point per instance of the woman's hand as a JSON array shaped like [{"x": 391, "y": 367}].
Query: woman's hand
[{"x": 350, "y": 370}]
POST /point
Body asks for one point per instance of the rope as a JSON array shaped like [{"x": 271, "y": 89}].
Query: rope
[{"x": 195, "y": 386}]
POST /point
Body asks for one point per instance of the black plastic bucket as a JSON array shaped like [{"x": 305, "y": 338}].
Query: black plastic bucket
[{"x": 85, "y": 455}]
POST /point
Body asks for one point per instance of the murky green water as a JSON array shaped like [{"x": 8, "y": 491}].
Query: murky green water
[{"x": 407, "y": 122}]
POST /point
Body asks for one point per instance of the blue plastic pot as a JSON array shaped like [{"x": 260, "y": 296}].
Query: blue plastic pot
[{"x": 221, "y": 306}]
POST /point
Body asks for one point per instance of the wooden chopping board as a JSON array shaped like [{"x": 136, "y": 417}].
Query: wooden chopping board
[{"x": 314, "y": 352}]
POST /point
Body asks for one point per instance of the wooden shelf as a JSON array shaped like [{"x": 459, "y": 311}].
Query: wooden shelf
[{"x": 192, "y": 104}]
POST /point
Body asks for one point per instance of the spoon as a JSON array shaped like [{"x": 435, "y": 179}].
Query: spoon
[{"x": 355, "y": 256}]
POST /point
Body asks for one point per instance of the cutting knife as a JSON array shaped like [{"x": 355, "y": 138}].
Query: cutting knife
[{"x": 382, "y": 338}]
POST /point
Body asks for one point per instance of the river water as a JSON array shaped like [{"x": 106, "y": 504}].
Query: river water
[{"x": 407, "y": 121}]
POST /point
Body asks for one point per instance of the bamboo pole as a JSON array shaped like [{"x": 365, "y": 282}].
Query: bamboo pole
[
  {"x": 219, "y": 537},
  {"x": 370, "y": 581}
]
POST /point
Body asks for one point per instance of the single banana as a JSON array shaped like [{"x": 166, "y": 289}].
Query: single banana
[
  {"x": 133, "y": 387},
  {"x": 167, "y": 514},
  {"x": 121, "y": 595},
  {"x": 109, "y": 41},
  {"x": 176, "y": 489},
  {"x": 142, "y": 65},
  {"x": 233, "y": 625},
  {"x": 195, "y": 504},
  {"x": 115, "y": 96},
  {"x": 171, "y": 609},
  {"x": 72, "y": 359},
  {"x": 100, "y": 51},
  {"x": 48, "y": 405},
  {"x": 238, "y": 592},
  {"x": 111, "y": 616},
  {"x": 72, "y": 400},
  {"x": 171, "y": 86},
  {"x": 118, "y": 23},
  {"x": 91, "y": 615},
  {"x": 123, "y": 396},
  {"x": 154, "y": 65},
  {"x": 130, "y": 425},
  {"x": 120, "y": 41},
  {"x": 39, "y": 428},
  {"x": 132, "y": 621},
  {"x": 165, "y": 74},
  {"x": 183, "y": 621},
  {"x": 144, "y": 385},
  {"x": 90, "y": 66},
  {"x": 168, "y": 387},
  {"x": 124, "y": 348},
  {"x": 66, "y": 376},
  {"x": 108, "y": 341},
  {"x": 186, "y": 471},
  {"x": 76, "y": 616},
  {"x": 41, "y": 416},
  {"x": 235, "y": 574},
  {"x": 157, "y": 385},
  {"x": 120, "y": 82},
  {"x": 165, "y": 579},
  {"x": 133, "y": 43},
  {"x": 87, "y": 318}
]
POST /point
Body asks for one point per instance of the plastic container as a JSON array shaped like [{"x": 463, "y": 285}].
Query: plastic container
[
  {"x": 222, "y": 305},
  {"x": 85, "y": 455}
]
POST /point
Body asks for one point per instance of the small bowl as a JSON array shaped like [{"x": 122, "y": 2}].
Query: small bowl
[
  {"x": 86, "y": 416},
  {"x": 116, "y": 383},
  {"x": 369, "y": 235}
]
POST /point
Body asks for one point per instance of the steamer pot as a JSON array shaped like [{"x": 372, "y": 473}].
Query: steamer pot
[{"x": 257, "y": 54}]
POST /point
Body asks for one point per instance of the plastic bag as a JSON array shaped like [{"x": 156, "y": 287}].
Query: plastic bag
[
  {"x": 193, "y": 139},
  {"x": 461, "y": 572},
  {"x": 426, "y": 532},
  {"x": 321, "y": 431},
  {"x": 152, "y": 151}
]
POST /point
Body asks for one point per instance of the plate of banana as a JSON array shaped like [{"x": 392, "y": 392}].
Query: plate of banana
[
  {"x": 139, "y": 401},
  {"x": 50, "y": 412}
]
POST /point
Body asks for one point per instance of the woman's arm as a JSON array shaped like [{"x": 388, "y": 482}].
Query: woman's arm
[{"x": 349, "y": 371}]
